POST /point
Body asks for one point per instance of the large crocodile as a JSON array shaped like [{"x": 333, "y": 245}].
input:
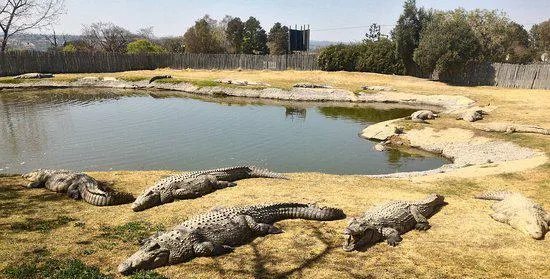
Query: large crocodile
[
  {"x": 196, "y": 184},
  {"x": 519, "y": 212},
  {"x": 389, "y": 221},
  {"x": 218, "y": 232},
  {"x": 77, "y": 186}
]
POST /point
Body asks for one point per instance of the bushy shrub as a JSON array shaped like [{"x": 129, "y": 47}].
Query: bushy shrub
[
  {"x": 369, "y": 56},
  {"x": 144, "y": 46},
  {"x": 379, "y": 57},
  {"x": 446, "y": 45},
  {"x": 339, "y": 57}
]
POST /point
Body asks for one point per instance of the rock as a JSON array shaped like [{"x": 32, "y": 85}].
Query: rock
[
  {"x": 159, "y": 77},
  {"x": 380, "y": 147},
  {"x": 311, "y": 85},
  {"x": 109, "y": 79},
  {"x": 377, "y": 88},
  {"x": 381, "y": 131},
  {"x": 33, "y": 75}
]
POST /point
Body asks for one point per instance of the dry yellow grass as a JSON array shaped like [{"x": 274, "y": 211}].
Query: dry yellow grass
[{"x": 464, "y": 241}]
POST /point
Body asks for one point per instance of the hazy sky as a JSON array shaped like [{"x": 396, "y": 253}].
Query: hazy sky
[{"x": 329, "y": 20}]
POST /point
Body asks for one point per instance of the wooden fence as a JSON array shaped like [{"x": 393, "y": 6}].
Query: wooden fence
[
  {"x": 531, "y": 76},
  {"x": 536, "y": 76},
  {"x": 14, "y": 63}
]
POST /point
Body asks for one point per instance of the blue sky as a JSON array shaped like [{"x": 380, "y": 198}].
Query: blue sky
[{"x": 173, "y": 17}]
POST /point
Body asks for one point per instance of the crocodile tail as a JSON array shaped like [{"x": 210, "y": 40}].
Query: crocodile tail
[
  {"x": 101, "y": 195},
  {"x": 256, "y": 172},
  {"x": 495, "y": 196},
  {"x": 281, "y": 211}
]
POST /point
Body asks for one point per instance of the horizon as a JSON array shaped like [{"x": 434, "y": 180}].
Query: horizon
[{"x": 353, "y": 19}]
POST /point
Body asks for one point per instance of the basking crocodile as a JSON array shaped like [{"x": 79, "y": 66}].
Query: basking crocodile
[
  {"x": 389, "y": 221},
  {"x": 218, "y": 231},
  {"x": 519, "y": 212},
  {"x": 422, "y": 115},
  {"x": 196, "y": 184},
  {"x": 77, "y": 186}
]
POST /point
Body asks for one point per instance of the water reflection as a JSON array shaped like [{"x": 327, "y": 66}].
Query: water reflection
[
  {"x": 293, "y": 113},
  {"x": 117, "y": 129}
]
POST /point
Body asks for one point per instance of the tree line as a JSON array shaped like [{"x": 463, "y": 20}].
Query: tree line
[
  {"x": 229, "y": 35},
  {"x": 426, "y": 42}
]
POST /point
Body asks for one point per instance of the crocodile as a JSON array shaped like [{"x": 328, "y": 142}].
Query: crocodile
[
  {"x": 196, "y": 184},
  {"x": 217, "y": 232},
  {"x": 77, "y": 186},
  {"x": 519, "y": 212},
  {"x": 422, "y": 115},
  {"x": 389, "y": 221}
]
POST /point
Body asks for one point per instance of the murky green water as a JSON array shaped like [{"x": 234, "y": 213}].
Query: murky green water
[{"x": 134, "y": 130}]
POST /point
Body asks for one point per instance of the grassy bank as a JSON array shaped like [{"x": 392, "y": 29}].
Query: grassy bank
[{"x": 463, "y": 242}]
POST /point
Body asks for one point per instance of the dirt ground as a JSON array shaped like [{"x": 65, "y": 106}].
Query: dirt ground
[{"x": 464, "y": 242}]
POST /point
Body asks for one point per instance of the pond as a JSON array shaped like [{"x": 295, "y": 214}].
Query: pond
[{"x": 108, "y": 129}]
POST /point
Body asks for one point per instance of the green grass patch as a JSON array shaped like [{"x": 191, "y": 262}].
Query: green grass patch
[
  {"x": 131, "y": 231},
  {"x": 41, "y": 225},
  {"x": 55, "y": 269},
  {"x": 147, "y": 275}
]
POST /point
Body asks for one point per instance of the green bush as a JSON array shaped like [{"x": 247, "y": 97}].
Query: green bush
[
  {"x": 379, "y": 57},
  {"x": 339, "y": 57},
  {"x": 446, "y": 45},
  {"x": 144, "y": 46}
]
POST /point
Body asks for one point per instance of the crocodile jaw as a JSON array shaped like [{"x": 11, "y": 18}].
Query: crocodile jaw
[
  {"x": 146, "y": 201},
  {"x": 148, "y": 257}
]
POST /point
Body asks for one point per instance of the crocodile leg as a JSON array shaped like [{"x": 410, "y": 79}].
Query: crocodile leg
[
  {"x": 36, "y": 184},
  {"x": 261, "y": 228},
  {"x": 73, "y": 191},
  {"x": 499, "y": 217},
  {"x": 547, "y": 218},
  {"x": 421, "y": 221},
  {"x": 207, "y": 249},
  {"x": 392, "y": 236}
]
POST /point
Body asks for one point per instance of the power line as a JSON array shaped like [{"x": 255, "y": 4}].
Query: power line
[{"x": 349, "y": 27}]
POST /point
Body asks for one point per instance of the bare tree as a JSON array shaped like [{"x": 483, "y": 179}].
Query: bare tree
[
  {"x": 56, "y": 43},
  {"x": 17, "y": 16},
  {"x": 107, "y": 37}
]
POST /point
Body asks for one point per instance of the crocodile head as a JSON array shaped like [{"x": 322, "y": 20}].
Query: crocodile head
[
  {"x": 531, "y": 224},
  {"x": 360, "y": 233},
  {"x": 169, "y": 248},
  {"x": 146, "y": 200},
  {"x": 34, "y": 175}
]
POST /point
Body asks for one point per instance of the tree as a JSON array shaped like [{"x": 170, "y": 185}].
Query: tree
[
  {"x": 540, "y": 34},
  {"x": 144, "y": 46},
  {"x": 406, "y": 34},
  {"x": 234, "y": 34},
  {"x": 173, "y": 44},
  {"x": 374, "y": 32},
  {"x": 201, "y": 38},
  {"x": 107, "y": 37},
  {"x": 77, "y": 46},
  {"x": 446, "y": 45},
  {"x": 277, "y": 40},
  {"x": 255, "y": 38},
  {"x": 18, "y": 16}
]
